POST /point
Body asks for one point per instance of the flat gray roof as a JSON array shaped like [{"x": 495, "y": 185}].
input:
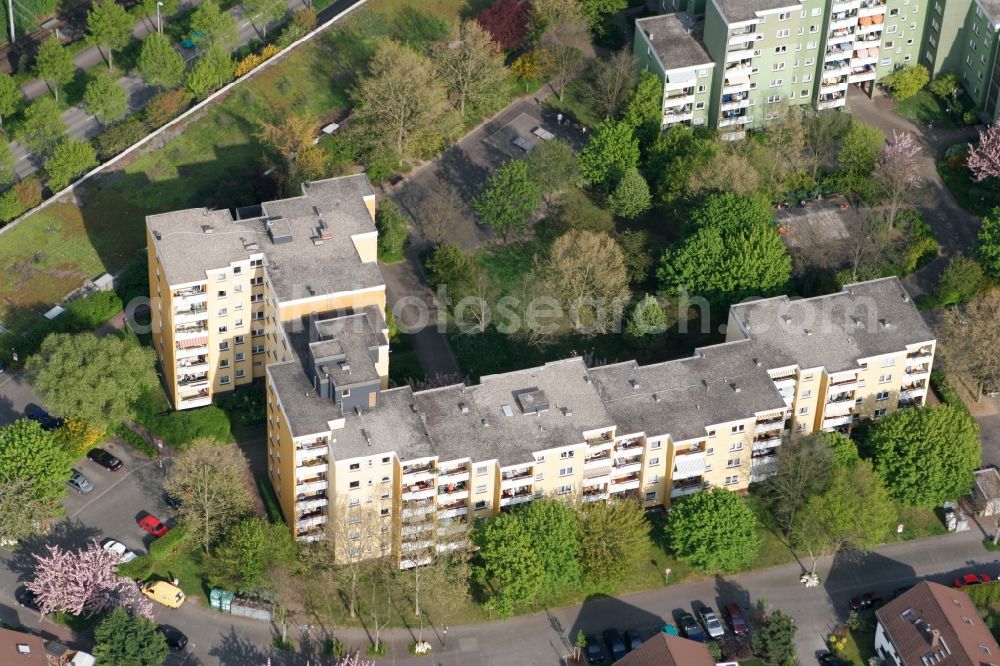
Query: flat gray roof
[
  {"x": 865, "y": 319},
  {"x": 736, "y": 11},
  {"x": 392, "y": 427},
  {"x": 354, "y": 335},
  {"x": 296, "y": 268},
  {"x": 676, "y": 44},
  {"x": 682, "y": 398},
  {"x": 306, "y": 412}
]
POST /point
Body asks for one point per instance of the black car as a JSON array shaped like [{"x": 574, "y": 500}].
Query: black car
[
  {"x": 867, "y": 600},
  {"x": 104, "y": 459},
  {"x": 44, "y": 419},
  {"x": 632, "y": 641},
  {"x": 829, "y": 659},
  {"x": 175, "y": 637},
  {"x": 172, "y": 501},
  {"x": 615, "y": 644},
  {"x": 26, "y": 598},
  {"x": 690, "y": 627},
  {"x": 595, "y": 655}
]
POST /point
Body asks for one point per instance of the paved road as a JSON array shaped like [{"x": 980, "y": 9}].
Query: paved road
[{"x": 15, "y": 394}]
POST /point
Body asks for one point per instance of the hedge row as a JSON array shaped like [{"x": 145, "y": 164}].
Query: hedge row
[{"x": 141, "y": 567}]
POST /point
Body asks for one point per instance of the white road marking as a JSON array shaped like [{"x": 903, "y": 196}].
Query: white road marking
[{"x": 109, "y": 488}]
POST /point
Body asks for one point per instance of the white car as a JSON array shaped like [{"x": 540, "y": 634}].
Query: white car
[{"x": 118, "y": 547}]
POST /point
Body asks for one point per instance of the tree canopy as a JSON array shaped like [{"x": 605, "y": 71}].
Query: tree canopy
[
  {"x": 713, "y": 530},
  {"x": 631, "y": 197},
  {"x": 988, "y": 245},
  {"x": 611, "y": 151},
  {"x": 160, "y": 64},
  {"x": 43, "y": 128},
  {"x": 857, "y": 159},
  {"x": 967, "y": 339},
  {"x": 69, "y": 159},
  {"x": 213, "y": 70},
  {"x": 10, "y": 97},
  {"x": 730, "y": 251},
  {"x": 109, "y": 26},
  {"x": 614, "y": 539},
  {"x": 54, "y": 64},
  {"x": 554, "y": 525},
  {"x": 926, "y": 456},
  {"x": 906, "y": 82},
  {"x": 218, "y": 26},
  {"x": 506, "y": 563},
  {"x": 124, "y": 640},
  {"x": 774, "y": 642},
  {"x": 105, "y": 99},
  {"x": 95, "y": 379},
  {"x": 509, "y": 198},
  {"x": 249, "y": 549},
  {"x": 554, "y": 166},
  {"x": 470, "y": 64},
  {"x": 29, "y": 453}
]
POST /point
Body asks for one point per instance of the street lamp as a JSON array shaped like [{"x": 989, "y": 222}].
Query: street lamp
[{"x": 159, "y": 26}]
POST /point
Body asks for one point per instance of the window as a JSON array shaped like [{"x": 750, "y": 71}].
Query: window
[
  {"x": 223, "y": 329},
  {"x": 239, "y": 304},
  {"x": 781, "y": 34},
  {"x": 736, "y": 446},
  {"x": 480, "y": 505},
  {"x": 386, "y": 460},
  {"x": 880, "y": 412},
  {"x": 240, "y": 374},
  {"x": 221, "y": 277},
  {"x": 889, "y": 44},
  {"x": 224, "y": 379},
  {"x": 730, "y": 480},
  {"x": 810, "y": 61},
  {"x": 889, "y": 362},
  {"x": 539, "y": 477},
  {"x": 858, "y": 400},
  {"x": 708, "y": 468},
  {"x": 733, "y": 462},
  {"x": 257, "y": 349},
  {"x": 221, "y": 294},
  {"x": 702, "y": 89},
  {"x": 807, "y": 378},
  {"x": 778, "y": 67},
  {"x": 739, "y": 428},
  {"x": 655, "y": 445},
  {"x": 238, "y": 323},
  {"x": 354, "y": 467},
  {"x": 383, "y": 512},
  {"x": 355, "y": 485},
  {"x": 565, "y": 471},
  {"x": 711, "y": 433},
  {"x": 481, "y": 470},
  {"x": 780, "y": 49},
  {"x": 240, "y": 339},
  {"x": 881, "y": 395},
  {"x": 784, "y": 16},
  {"x": 804, "y": 93},
  {"x": 481, "y": 488},
  {"x": 223, "y": 312},
  {"x": 803, "y": 411},
  {"x": 224, "y": 363},
  {"x": 654, "y": 461},
  {"x": 884, "y": 379},
  {"x": 806, "y": 78},
  {"x": 800, "y": 427},
  {"x": 563, "y": 490},
  {"x": 807, "y": 393},
  {"x": 566, "y": 454},
  {"x": 702, "y": 73},
  {"x": 813, "y": 29},
  {"x": 346, "y": 393},
  {"x": 240, "y": 356},
  {"x": 699, "y": 105},
  {"x": 709, "y": 451},
  {"x": 651, "y": 496},
  {"x": 354, "y": 520}
]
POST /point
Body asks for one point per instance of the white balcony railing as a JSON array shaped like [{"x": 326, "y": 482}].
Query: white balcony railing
[
  {"x": 842, "y": 408},
  {"x": 453, "y": 477},
  {"x": 511, "y": 501},
  {"x": 836, "y": 421},
  {"x": 680, "y": 100},
  {"x": 687, "y": 489},
  {"x": 622, "y": 486},
  {"x": 418, "y": 476},
  {"x": 453, "y": 513},
  {"x": 630, "y": 468},
  {"x": 454, "y": 496},
  {"x": 419, "y": 494}
]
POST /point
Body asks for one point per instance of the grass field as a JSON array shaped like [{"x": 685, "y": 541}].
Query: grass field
[
  {"x": 925, "y": 108},
  {"x": 977, "y": 198},
  {"x": 213, "y": 162}
]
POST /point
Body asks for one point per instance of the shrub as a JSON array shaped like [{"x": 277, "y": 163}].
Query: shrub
[
  {"x": 29, "y": 192},
  {"x": 10, "y": 207},
  {"x": 180, "y": 429},
  {"x": 947, "y": 392},
  {"x": 392, "y": 232},
  {"x": 169, "y": 543},
  {"x": 270, "y": 501},
  {"x": 138, "y": 569},
  {"x": 134, "y": 440},
  {"x": 92, "y": 311},
  {"x": 120, "y": 136},
  {"x": 247, "y": 64},
  {"x": 269, "y": 51},
  {"x": 246, "y": 404},
  {"x": 985, "y": 594},
  {"x": 906, "y": 82},
  {"x": 166, "y": 106}
]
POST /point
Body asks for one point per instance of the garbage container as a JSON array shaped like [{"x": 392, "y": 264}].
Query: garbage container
[{"x": 221, "y": 599}]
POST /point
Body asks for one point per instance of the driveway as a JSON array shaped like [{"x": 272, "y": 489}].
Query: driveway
[{"x": 15, "y": 394}]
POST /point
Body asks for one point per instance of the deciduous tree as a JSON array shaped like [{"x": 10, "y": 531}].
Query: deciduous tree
[
  {"x": 644, "y": 109},
  {"x": 631, "y": 197},
  {"x": 647, "y": 323},
  {"x": 160, "y": 64},
  {"x": 716, "y": 175},
  {"x": 110, "y": 26},
  {"x": 213, "y": 70},
  {"x": 553, "y": 166},
  {"x": 454, "y": 269},
  {"x": 169, "y": 8},
  {"x": 545, "y": 13},
  {"x": 264, "y": 12},
  {"x": 470, "y": 64},
  {"x": 506, "y": 21},
  {"x": 896, "y": 171},
  {"x": 713, "y": 530},
  {"x": 7, "y": 174},
  {"x": 554, "y": 526},
  {"x": 906, "y": 82},
  {"x": 611, "y": 84},
  {"x": 393, "y": 231},
  {"x": 611, "y": 151},
  {"x": 926, "y": 456},
  {"x": 105, "y": 99},
  {"x": 802, "y": 471},
  {"x": 218, "y": 26},
  {"x": 730, "y": 251},
  {"x": 84, "y": 582},
  {"x": 595, "y": 12},
  {"x": 29, "y": 453},
  {"x": 69, "y": 159},
  {"x": 672, "y": 160},
  {"x": 592, "y": 293},
  {"x": 75, "y": 437},
  {"x": 10, "y": 97},
  {"x": 509, "y": 198},
  {"x": 984, "y": 158},
  {"x": 945, "y": 85},
  {"x": 961, "y": 280},
  {"x": 774, "y": 642},
  {"x": 614, "y": 537},
  {"x": 400, "y": 99},
  {"x": 247, "y": 552},
  {"x": 561, "y": 50},
  {"x": 125, "y": 640},
  {"x": 95, "y": 379},
  {"x": 43, "y": 127},
  {"x": 54, "y": 64},
  {"x": 506, "y": 564},
  {"x": 21, "y": 510},
  {"x": 210, "y": 482},
  {"x": 823, "y": 130},
  {"x": 967, "y": 340},
  {"x": 858, "y": 157}
]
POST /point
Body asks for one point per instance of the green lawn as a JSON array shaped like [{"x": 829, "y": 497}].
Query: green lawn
[
  {"x": 185, "y": 565},
  {"x": 925, "y": 108},
  {"x": 860, "y": 647},
  {"x": 977, "y": 198}
]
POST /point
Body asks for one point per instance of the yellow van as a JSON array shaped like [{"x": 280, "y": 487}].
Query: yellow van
[{"x": 163, "y": 592}]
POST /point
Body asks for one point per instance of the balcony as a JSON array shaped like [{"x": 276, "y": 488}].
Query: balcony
[
  {"x": 192, "y": 380},
  {"x": 735, "y": 102},
  {"x": 739, "y": 55},
  {"x": 688, "y": 487},
  {"x": 766, "y": 443},
  {"x": 923, "y": 352},
  {"x": 461, "y": 493},
  {"x": 738, "y": 135},
  {"x": 510, "y": 498},
  {"x": 624, "y": 484},
  {"x": 312, "y": 534},
  {"x": 842, "y": 386},
  {"x": 686, "y": 114},
  {"x": 734, "y": 119},
  {"x": 594, "y": 496},
  {"x": 410, "y": 546},
  {"x": 833, "y": 86},
  {"x": 686, "y": 101},
  {"x": 761, "y": 468},
  {"x": 836, "y": 421},
  {"x": 912, "y": 395},
  {"x": 843, "y": 21},
  {"x": 416, "y": 510},
  {"x": 871, "y": 28},
  {"x": 314, "y": 501},
  {"x": 453, "y": 476},
  {"x": 312, "y": 466},
  {"x": 917, "y": 368},
  {"x": 831, "y": 101},
  {"x": 191, "y": 296},
  {"x": 628, "y": 465},
  {"x": 864, "y": 56},
  {"x": 510, "y": 480},
  {"x": 192, "y": 364},
  {"x": 311, "y": 519},
  {"x": 417, "y": 473},
  {"x": 860, "y": 74},
  {"x": 453, "y": 510},
  {"x": 189, "y": 331},
  {"x": 840, "y": 37},
  {"x": 837, "y": 68},
  {"x": 841, "y": 408},
  {"x": 688, "y": 463},
  {"x": 418, "y": 491},
  {"x": 197, "y": 400},
  {"x": 744, "y": 36},
  {"x": 190, "y": 315},
  {"x": 311, "y": 485},
  {"x": 628, "y": 445}
]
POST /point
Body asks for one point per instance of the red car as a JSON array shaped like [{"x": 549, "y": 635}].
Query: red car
[
  {"x": 152, "y": 524},
  {"x": 971, "y": 579},
  {"x": 736, "y": 619}
]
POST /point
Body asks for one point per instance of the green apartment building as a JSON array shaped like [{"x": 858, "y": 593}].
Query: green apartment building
[{"x": 733, "y": 64}]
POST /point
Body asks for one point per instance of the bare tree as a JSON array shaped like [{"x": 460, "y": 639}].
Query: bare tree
[
  {"x": 896, "y": 170},
  {"x": 356, "y": 536},
  {"x": 787, "y": 138},
  {"x": 612, "y": 81},
  {"x": 802, "y": 470},
  {"x": 562, "y": 50},
  {"x": 869, "y": 240},
  {"x": 823, "y": 130},
  {"x": 969, "y": 340},
  {"x": 438, "y": 210},
  {"x": 471, "y": 65},
  {"x": 984, "y": 158}
]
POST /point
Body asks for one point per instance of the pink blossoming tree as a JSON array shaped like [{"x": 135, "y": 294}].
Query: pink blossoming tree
[
  {"x": 984, "y": 159},
  {"x": 896, "y": 170}
]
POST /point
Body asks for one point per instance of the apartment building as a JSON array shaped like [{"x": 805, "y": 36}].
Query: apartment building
[
  {"x": 767, "y": 54},
  {"x": 223, "y": 282},
  {"x": 403, "y": 473}
]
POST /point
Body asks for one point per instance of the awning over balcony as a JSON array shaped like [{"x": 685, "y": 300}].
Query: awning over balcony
[
  {"x": 691, "y": 464},
  {"x": 193, "y": 342},
  {"x": 737, "y": 78},
  {"x": 681, "y": 77}
]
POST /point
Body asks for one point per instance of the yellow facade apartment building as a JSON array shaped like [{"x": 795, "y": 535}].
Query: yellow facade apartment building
[{"x": 394, "y": 472}]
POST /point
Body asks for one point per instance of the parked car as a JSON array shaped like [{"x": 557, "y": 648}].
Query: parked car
[
  {"x": 595, "y": 655},
  {"x": 163, "y": 592},
  {"x": 670, "y": 629},
  {"x": 124, "y": 554},
  {"x": 616, "y": 646},
  {"x": 104, "y": 459},
  {"x": 152, "y": 524},
  {"x": 971, "y": 579},
  {"x": 736, "y": 620},
  {"x": 632, "y": 641},
  {"x": 44, "y": 419},
  {"x": 26, "y": 598},
  {"x": 175, "y": 637},
  {"x": 829, "y": 659},
  {"x": 866, "y": 601},
  {"x": 711, "y": 622},
  {"x": 172, "y": 501},
  {"x": 80, "y": 483},
  {"x": 690, "y": 628}
]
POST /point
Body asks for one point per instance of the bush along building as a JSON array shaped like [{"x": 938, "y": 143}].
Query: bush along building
[
  {"x": 402, "y": 473},
  {"x": 732, "y": 64}
]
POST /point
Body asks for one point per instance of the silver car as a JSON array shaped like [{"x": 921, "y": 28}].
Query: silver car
[
  {"x": 80, "y": 483},
  {"x": 711, "y": 622}
]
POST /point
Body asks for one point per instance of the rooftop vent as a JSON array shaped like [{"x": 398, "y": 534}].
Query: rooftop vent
[
  {"x": 486, "y": 424},
  {"x": 367, "y": 436},
  {"x": 756, "y": 362},
  {"x": 157, "y": 235},
  {"x": 278, "y": 230},
  {"x": 906, "y": 298},
  {"x": 506, "y": 410},
  {"x": 704, "y": 383},
  {"x": 656, "y": 397},
  {"x": 787, "y": 318},
  {"x": 567, "y": 411},
  {"x": 587, "y": 378},
  {"x": 736, "y": 389},
  {"x": 532, "y": 400},
  {"x": 207, "y": 229},
  {"x": 884, "y": 322},
  {"x": 413, "y": 407},
  {"x": 808, "y": 332},
  {"x": 858, "y": 322},
  {"x": 23, "y": 648},
  {"x": 317, "y": 241},
  {"x": 345, "y": 366},
  {"x": 464, "y": 408},
  {"x": 635, "y": 384}
]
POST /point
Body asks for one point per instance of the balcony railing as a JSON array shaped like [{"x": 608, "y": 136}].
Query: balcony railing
[
  {"x": 920, "y": 369},
  {"x": 313, "y": 462},
  {"x": 923, "y": 352},
  {"x": 190, "y": 380},
  {"x": 444, "y": 489},
  {"x": 514, "y": 476},
  {"x": 841, "y": 397},
  {"x": 315, "y": 445}
]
